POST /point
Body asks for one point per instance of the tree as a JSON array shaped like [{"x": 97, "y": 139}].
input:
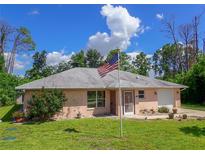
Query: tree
[
  {"x": 45, "y": 104},
  {"x": 78, "y": 60},
  {"x": 22, "y": 42},
  {"x": 2, "y": 62},
  {"x": 63, "y": 66},
  {"x": 5, "y": 31},
  {"x": 195, "y": 24},
  {"x": 170, "y": 30},
  {"x": 142, "y": 64},
  {"x": 185, "y": 32},
  {"x": 125, "y": 61},
  {"x": 165, "y": 60},
  {"x": 8, "y": 93},
  {"x": 195, "y": 80},
  {"x": 93, "y": 58},
  {"x": 39, "y": 68}
]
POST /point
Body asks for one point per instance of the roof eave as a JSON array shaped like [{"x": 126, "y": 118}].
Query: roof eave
[{"x": 157, "y": 87}]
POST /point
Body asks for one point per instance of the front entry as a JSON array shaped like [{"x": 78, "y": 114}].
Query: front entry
[{"x": 128, "y": 103}]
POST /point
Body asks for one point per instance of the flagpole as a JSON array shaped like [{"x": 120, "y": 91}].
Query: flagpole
[{"x": 120, "y": 98}]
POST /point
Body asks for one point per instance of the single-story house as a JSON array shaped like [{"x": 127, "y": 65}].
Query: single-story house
[{"x": 89, "y": 94}]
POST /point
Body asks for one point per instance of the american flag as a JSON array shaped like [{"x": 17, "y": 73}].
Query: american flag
[{"x": 109, "y": 66}]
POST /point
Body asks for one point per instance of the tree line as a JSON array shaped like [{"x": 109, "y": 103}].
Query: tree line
[
  {"x": 90, "y": 58},
  {"x": 182, "y": 52}
]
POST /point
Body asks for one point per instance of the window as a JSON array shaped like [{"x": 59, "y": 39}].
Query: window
[
  {"x": 96, "y": 99},
  {"x": 141, "y": 94},
  {"x": 91, "y": 99},
  {"x": 100, "y": 98}
]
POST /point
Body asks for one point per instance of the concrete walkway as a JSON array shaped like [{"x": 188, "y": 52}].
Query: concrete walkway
[{"x": 151, "y": 117}]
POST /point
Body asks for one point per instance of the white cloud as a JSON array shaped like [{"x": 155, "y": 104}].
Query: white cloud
[
  {"x": 18, "y": 65},
  {"x": 122, "y": 28},
  {"x": 144, "y": 28},
  {"x": 135, "y": 53},
  {"x": 160, "y": 16},
  {"x": 34, "y": 12},
  {"x": 55, "y": 57}
]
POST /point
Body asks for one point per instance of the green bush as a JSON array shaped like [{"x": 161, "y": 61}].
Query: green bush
[
  {"x": 18, "y": 114},
  {"x": 8, "y": 94},
  {"x": 195, "y": 80},
  {"x": 45, "y": 103},
  {"x": 163, "y": 109}
]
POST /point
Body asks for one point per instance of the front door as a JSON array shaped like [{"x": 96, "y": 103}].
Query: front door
[
  {"x": 128, "y": 103},
  {"x": 112, "y": 102}
]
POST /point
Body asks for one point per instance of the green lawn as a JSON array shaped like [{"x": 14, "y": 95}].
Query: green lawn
[
  {"x": 6, "y": 111},
  {"x": 102, "y": 133},
  {"x": 194, "y": 106}
]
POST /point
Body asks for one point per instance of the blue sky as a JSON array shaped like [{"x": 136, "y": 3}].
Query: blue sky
[{"x": 63, "y": 29}]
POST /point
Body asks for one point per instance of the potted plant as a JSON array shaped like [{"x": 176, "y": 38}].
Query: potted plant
[
  {"x": 184, "y": 116},
  {"x": 79, "y": 115},
  {"x": 18, "y": 116},
  {"x": 171, "y": 116},
  {"x": 152, "y": 111},
  {"x": 174, "y": 110}
]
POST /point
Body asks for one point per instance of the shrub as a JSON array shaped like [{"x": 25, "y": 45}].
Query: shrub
[
  {"x": 18, "y": 114},
  {"x": 184, "y": 116},
  {"x": 171, "y": 115},
  {"x": 45, "y": 104},
  {"x": 163, "y": 109}
]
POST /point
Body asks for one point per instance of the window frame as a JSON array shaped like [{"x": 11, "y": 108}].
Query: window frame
[
  {"x": 96, "y": 99},
  {"x": 90, "y": 99},
  {"x": 141, "y": 94}
]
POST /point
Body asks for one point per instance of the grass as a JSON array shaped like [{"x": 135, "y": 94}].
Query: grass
[
  {"x": 6, "y": 112},
  {"x": 194, "y": 106},
  {"x": 102, "y": 133},
  {"x": 5, "y": 109}
]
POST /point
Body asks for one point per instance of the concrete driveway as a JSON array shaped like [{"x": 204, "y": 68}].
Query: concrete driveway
[{"x": 190, "y": 113}]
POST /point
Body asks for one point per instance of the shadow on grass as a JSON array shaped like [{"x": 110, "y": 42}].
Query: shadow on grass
[
  {"x": 194, "y": 130},
  {"x": 8, "y": 116},
  {"x": 33, "y": 122},
  {"x": 71, "y": 130},
  {"x": 36, "y": 122}
]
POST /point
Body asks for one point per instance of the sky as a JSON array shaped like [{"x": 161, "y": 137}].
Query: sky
[{"x": 63, "y": 30}]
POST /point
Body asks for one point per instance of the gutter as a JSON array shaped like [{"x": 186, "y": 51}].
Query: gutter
[{"x": 183, "y": 89}]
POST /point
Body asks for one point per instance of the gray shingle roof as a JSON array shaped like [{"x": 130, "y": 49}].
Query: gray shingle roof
[{"x": 85, "y": 78}]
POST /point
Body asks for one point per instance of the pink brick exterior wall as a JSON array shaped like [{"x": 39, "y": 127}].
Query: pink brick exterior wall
[
  {"x": 150, "y": 101},
  {"x": 177, "y": 98},
  {"x": 77, "y": 102}
]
